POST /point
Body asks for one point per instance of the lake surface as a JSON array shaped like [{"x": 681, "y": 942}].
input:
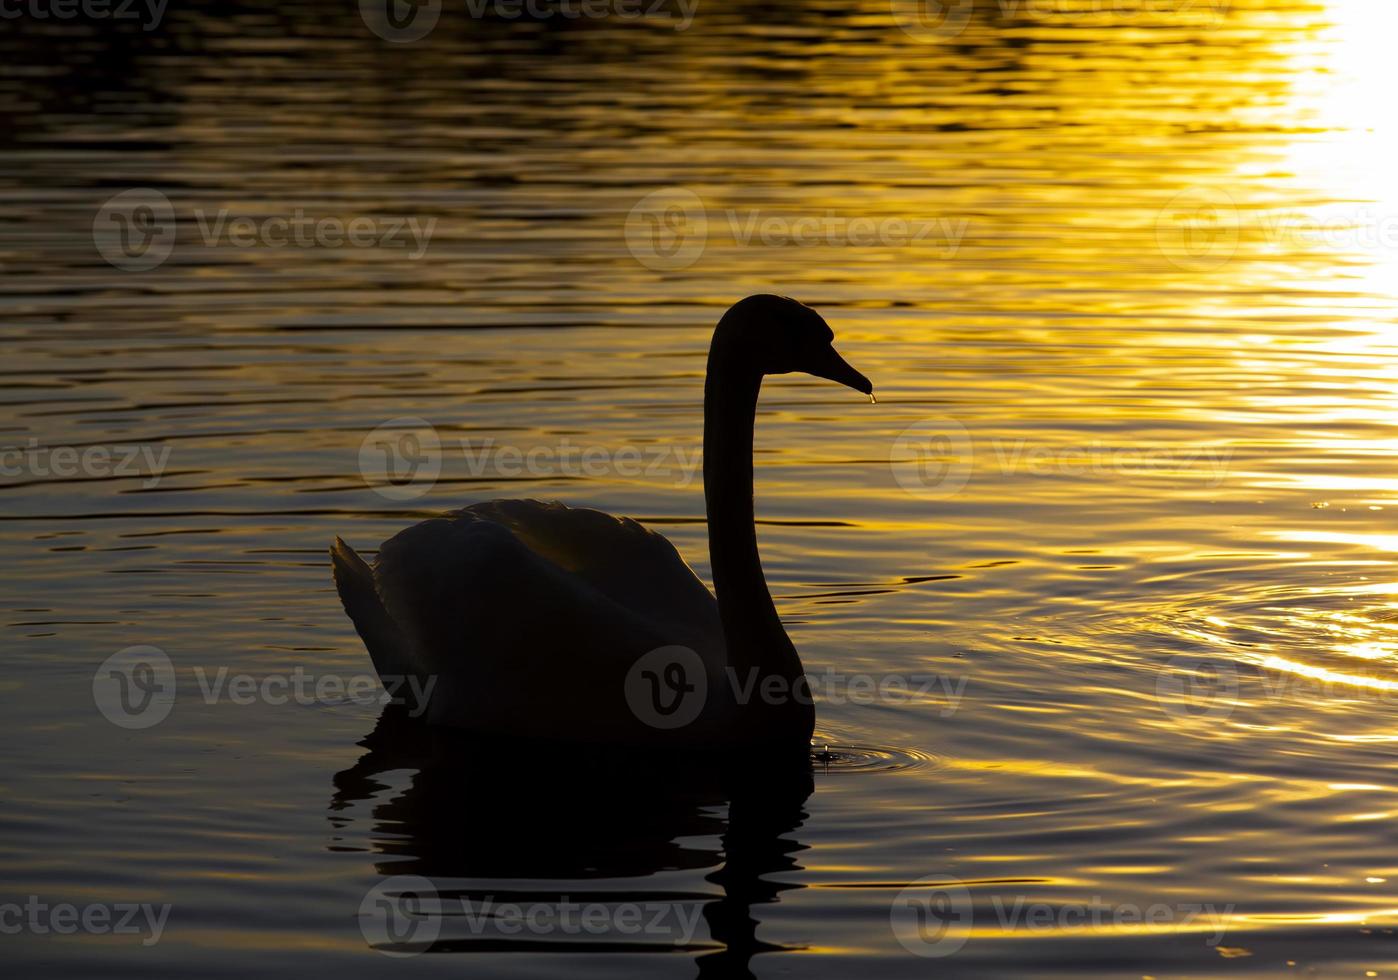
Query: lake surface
[{"x": 1099, "y": 597}]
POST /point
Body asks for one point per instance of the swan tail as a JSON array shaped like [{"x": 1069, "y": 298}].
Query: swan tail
[{"x": 387, "y": 646}]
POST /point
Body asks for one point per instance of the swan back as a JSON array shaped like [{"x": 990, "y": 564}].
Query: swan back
[{"x": 517, "y": 602}]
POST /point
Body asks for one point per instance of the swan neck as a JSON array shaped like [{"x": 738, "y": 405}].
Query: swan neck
[{"x": 752, "y": 629}]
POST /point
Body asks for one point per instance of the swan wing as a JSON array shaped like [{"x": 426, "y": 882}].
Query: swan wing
[
  {"x": 528, "y": 615},
  {"x": 632, "y": 565}
]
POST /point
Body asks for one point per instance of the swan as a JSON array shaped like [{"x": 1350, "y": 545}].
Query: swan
[{"x": 531, "y": 620}]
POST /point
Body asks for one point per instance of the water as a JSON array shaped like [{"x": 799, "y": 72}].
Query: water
[{"x": 1121, "y": 517}]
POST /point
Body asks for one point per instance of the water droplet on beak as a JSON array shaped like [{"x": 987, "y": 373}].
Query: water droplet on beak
[{"x": 872, "y": 399}]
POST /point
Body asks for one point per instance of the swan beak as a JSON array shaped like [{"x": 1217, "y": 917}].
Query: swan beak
[{"x": 833, "y": 367}]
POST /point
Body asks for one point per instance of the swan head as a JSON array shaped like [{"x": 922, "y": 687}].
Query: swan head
[{"x": 779, "y": 335}]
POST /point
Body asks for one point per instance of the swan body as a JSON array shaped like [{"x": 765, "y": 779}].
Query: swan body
[
  {"x": 524, "y": 619},
  {"x": 529, "y": 615}
]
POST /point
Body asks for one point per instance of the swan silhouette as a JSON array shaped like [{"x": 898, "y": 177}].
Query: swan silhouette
[{"x": 538, "y": 621}]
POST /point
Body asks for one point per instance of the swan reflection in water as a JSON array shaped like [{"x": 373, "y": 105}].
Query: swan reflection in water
[{"x": 479, "y": 813}]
